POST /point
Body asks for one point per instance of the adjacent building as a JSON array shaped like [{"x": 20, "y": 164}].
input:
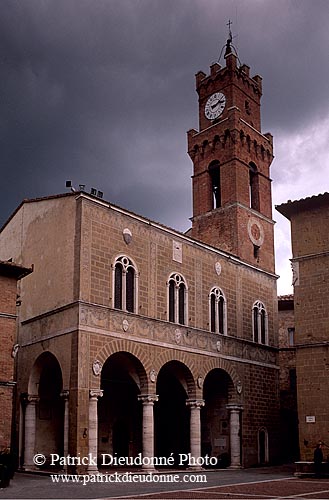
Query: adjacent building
[
  {"x": 10, "y": 274},
  {"x": 310, "y": 248},
  {"x": 288, "y": 381}
]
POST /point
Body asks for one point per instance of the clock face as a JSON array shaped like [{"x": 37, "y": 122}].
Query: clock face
[
  {"x": 255, "y": 232},
  {"x": 215, "y": 106}
]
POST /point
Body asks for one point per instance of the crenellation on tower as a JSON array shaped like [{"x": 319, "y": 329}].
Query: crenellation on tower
[
  {"x": 245, "y": 69},
  {"x": 214, "y": 68},
  {"x": 200, "y": 75}
]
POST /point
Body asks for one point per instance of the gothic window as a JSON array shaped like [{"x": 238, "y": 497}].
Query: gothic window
[
  {"x": 125, "y": 285},
  {"x": 259, "y": 323},
  {"x": 214, "y": 172},
  {"x": 253, "y": 187},
  {"x": 177, "y": 299},
  {"x": 217, "y": 311}
]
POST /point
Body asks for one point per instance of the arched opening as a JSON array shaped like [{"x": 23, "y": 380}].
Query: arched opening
[
  {"x": 217, "y": 311},
  {"x": 177, "y": 299},
  {"x": 215, "y": 424},
  {"x": 125, "y": 284},
  {"x": 259, "y": 323},
  {"x": 172, "y": 416},
  {"x": 119, "y": 411},
  {"x": 46, "y": 382},
  {"x": 214, "y": 172},
  {"x": 263, "y": 454},
  {"x": 253, "y": 187}
]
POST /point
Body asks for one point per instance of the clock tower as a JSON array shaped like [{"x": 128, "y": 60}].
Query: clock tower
[{"x": 232, "y": 207}]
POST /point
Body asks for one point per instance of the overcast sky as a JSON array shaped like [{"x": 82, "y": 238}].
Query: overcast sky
[{"x": 102, "y": 92}]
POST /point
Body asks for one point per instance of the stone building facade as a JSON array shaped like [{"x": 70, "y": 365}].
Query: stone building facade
[
  {"x": 288, "y": 380},
  {"x": 310, "y": 247},
  {"x": 137, "y": 338},
  {"x": 10, "y": 274}
]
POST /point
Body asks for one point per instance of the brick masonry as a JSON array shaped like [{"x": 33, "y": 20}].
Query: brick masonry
[
  {"x": 309, "y": 226},
  {"x": 9, "y": 274}
]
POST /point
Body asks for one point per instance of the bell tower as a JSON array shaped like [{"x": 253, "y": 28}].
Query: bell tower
[{"x": 232, "y": 207}]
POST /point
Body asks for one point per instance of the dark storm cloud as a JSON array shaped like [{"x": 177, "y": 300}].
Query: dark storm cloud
[{"x": 102, "y": 92}]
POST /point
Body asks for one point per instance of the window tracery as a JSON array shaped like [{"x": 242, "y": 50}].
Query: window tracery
[
  {"x": 177, "y": 299},
  {"x": 259, "y": 323},
  {"x": 217, "y": 311},
  {"x": 125, "y": 284}
]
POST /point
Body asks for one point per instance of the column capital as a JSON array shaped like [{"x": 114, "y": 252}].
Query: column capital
[
  {"x": 31, "y": 399},
  {"x": 148, "y": 399},
  {"x": 195, "y": 403},
  {"x": 95, "y": 393},
  {"x": 65, "y": 394},
  {"x": 234, "y": 407}
]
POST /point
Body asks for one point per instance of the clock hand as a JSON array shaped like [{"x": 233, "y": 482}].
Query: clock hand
[{"x": 216, "y": 104}]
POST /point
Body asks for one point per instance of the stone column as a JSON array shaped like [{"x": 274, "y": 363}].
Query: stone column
[
  {"x": 65, "y": 396},
  {"x": 235, "y": 438},
  {"x": 29, "y": 431},
  {"x": 148, "y": 401},
  {"x": 94, "y": 394},
  {"x": 195, "y": 428}
]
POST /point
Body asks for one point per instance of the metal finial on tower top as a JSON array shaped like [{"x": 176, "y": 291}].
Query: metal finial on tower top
[
  {"x": 229, "y": 45},
  {"x": 228, "y": 49}
]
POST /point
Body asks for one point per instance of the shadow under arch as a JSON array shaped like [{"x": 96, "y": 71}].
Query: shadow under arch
[
  {"x": 134, "y": 351},
  {"x": 46, "y": 382},
  {"x": 218, "y": 389},
  {"x": 175, "y": 385},
  {"x": 119, "y": 410}
]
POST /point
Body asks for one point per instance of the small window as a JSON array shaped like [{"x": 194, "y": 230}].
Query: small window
[
  {"x": 259, "y": 323},
  {"x": 125, "y": 285},
  {"x": 263, "y": 452},
  {"x": 217, "y": 311},
  {"x": 291, "y": 337},
  {"x": 177, "y": 299}
]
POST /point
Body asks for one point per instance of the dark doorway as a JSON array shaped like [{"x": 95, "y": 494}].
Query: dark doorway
[
  {"x": 172, "y": 417},
  {"x": 119, "y": 411},
  {"x": 215, "y": 427},
  {"x": 121, "y": 438},
  {"x": 49, "y": 431}
]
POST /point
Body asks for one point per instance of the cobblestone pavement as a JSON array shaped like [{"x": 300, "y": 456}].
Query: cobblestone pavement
[{"x": 255, "y": 484}]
